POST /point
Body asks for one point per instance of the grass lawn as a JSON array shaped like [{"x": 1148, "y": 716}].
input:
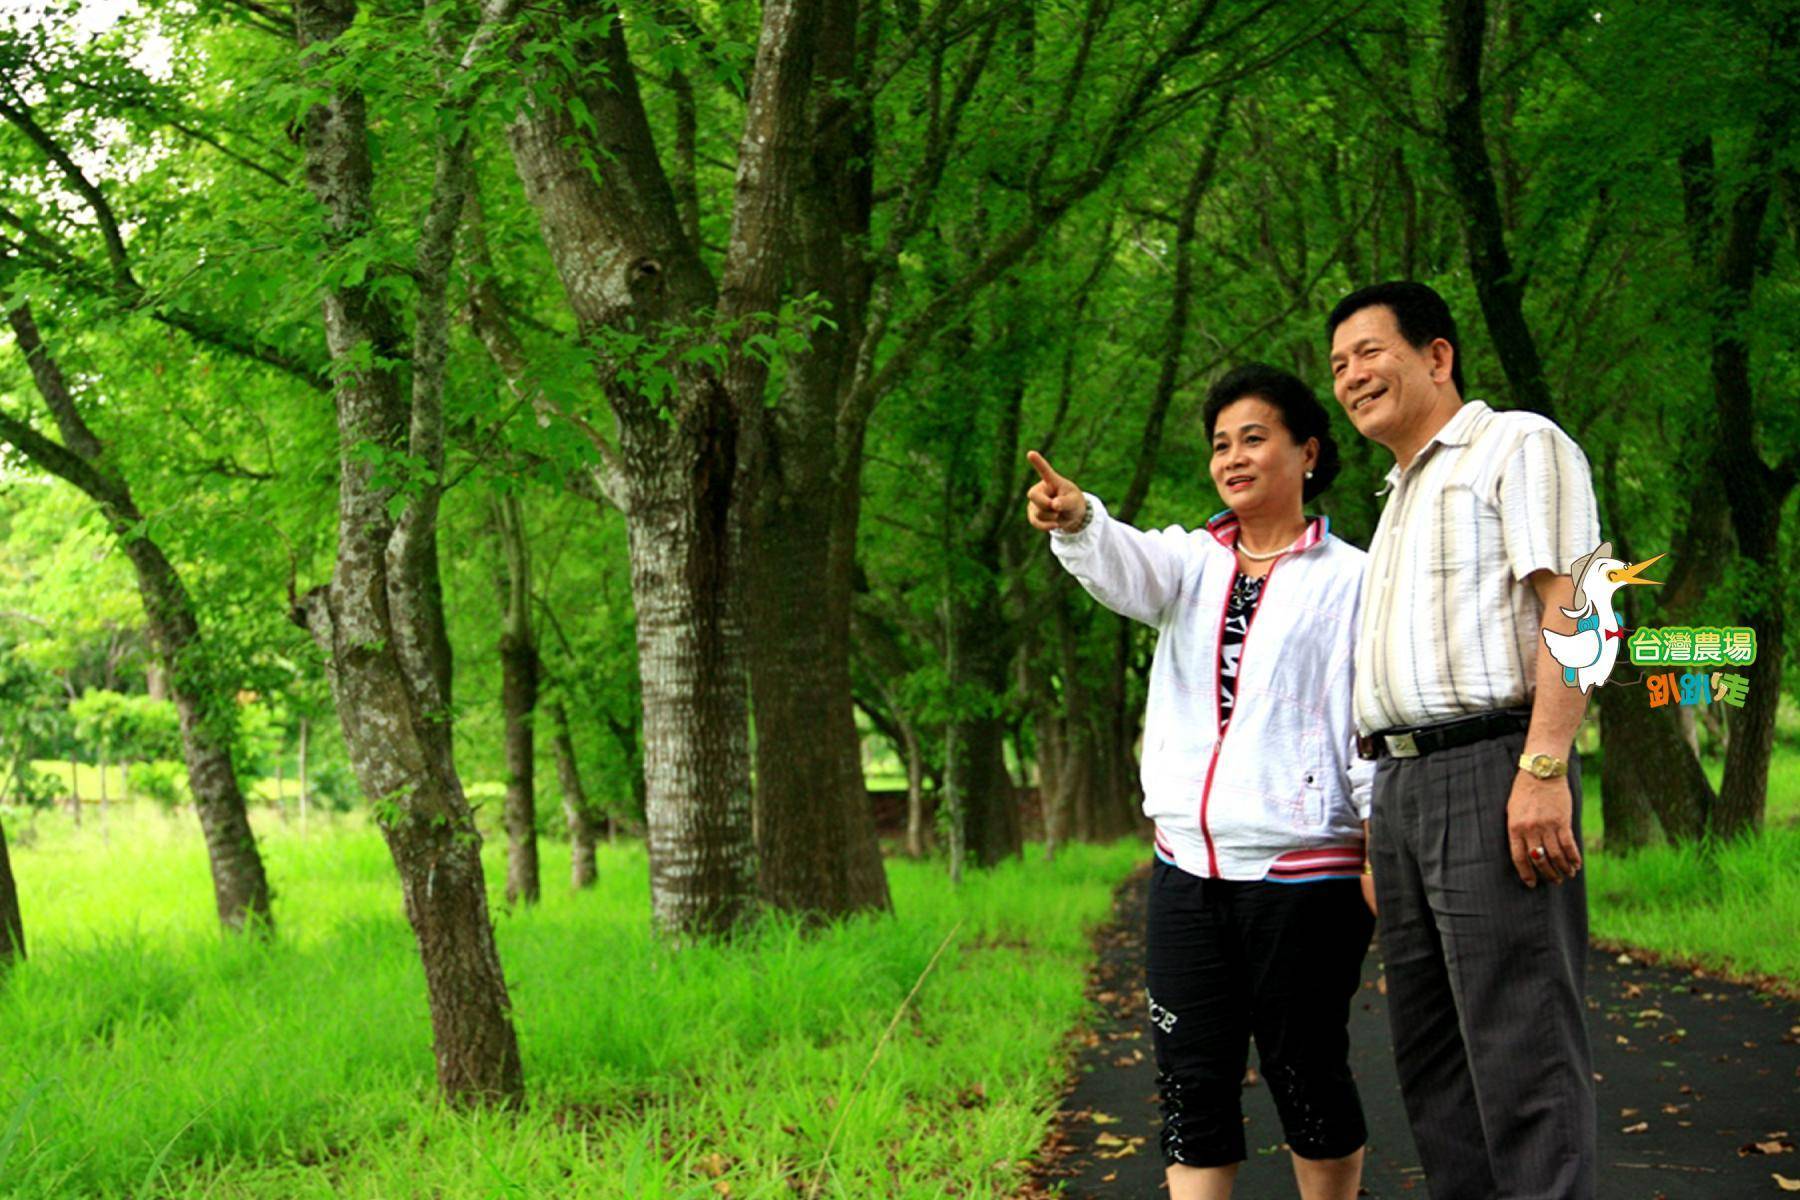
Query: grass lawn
[
  {"x": 1733, "y": 907},
  {"x": 146, "y": 1055}
]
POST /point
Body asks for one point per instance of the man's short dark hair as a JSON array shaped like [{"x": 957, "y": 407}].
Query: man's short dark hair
[
  {"x": 1300, "y": 411},
  {"x": 1419, "y": 311}
]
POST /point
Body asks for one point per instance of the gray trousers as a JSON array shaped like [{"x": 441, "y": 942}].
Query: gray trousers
[{"x": 1486, "y": 980}]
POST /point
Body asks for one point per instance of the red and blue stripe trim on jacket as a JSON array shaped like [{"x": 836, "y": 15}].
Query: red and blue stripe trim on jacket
[
  {"x": 1304, "y": 866},
  {"x": 1297, "y": 866}
]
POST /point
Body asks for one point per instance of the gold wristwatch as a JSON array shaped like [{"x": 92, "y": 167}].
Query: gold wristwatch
[{"x": 1544, "y": 766}]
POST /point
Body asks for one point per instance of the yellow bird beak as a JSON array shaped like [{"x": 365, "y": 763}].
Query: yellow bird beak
[{"x": 1630, "y": 574}]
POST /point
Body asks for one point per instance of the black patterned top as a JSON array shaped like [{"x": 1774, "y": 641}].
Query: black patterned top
[{"x": 1246, "y": 594}]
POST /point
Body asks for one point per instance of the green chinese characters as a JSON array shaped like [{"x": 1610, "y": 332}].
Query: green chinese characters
[{"x": 1684, "y": 645}]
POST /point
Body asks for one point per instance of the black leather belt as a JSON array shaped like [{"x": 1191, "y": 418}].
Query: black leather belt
[{"x": 1445, "y": 735}]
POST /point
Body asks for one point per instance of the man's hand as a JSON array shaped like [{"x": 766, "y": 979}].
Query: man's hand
[
  {"x": 1054, "y": 502},
  {"x": 1539, "y": 814},
  {"x": 1368, "y": 876}
]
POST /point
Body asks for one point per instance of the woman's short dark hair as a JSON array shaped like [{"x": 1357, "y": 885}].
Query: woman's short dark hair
[
  {"x": 1420, "y": 313},
  {"x": 1300, "y": 411}
]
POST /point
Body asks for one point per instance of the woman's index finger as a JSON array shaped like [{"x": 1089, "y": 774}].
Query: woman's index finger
[{"x": 1045, "y": 471}]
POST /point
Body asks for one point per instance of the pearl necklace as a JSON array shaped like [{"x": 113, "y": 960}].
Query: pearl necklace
[{"x": 1254, "y": 557}]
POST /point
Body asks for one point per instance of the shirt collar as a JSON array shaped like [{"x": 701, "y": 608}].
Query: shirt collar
[
  {"x": 1457, "y": 431},
  {"x": 1224, "y": 528}
]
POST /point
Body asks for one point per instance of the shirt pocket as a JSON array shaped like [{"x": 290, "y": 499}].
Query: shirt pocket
[{"x": 1464, "y": 531}]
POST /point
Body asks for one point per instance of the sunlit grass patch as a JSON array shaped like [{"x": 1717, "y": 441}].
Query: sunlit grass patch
[{"x": 148, "y": 1055}]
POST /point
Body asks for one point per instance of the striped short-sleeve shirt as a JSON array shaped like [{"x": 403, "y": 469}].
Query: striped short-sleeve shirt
[{"x": 1449, "y": 622}]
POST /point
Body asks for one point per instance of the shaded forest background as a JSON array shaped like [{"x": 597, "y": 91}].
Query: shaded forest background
[{"x": 627, "y": 404}]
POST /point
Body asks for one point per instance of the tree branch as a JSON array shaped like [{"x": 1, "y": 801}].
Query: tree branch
[
  {"x": 20, "y": 116},
  {"x": 1175, "y": 338},
  {"x": 132, "y": 297}
]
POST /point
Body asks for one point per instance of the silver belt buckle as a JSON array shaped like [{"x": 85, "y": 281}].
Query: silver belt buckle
[{"x": 1401, "y": 745}]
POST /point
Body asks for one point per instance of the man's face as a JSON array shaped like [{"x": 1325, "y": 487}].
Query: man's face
[{"x": 1385, "y": 384}]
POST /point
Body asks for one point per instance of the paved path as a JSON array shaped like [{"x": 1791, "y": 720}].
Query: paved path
[{"x": 1693, "y": 1072}]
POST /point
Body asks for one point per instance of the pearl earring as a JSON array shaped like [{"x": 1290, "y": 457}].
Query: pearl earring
[{"x": 1309, "y": 474}]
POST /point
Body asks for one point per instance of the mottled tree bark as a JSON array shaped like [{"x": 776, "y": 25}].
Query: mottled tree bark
[
  {"x": 380, "y": 621},
  {"x": 12, "y": 925},
  {"x": 613, "y": 227},
  {"x": 519, "y": 670},
  {"x": 203, "y": 703}
]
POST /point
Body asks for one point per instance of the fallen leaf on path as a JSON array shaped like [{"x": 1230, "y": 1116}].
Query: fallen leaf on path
[
  {"x": 1784, "y": 1183},
  {"x": 1640, "y": 1127},
  {"x": 1109, "y": 1139},
  {"x": 1109, "y": 1177},
  {"x": 1100, "y": 1118}
]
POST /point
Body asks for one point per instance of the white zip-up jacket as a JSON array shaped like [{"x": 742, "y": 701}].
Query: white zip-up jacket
[{"x": 1282, "y": 795}]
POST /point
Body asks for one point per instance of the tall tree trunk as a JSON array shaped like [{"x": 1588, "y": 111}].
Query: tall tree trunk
[
  {"x": 240, "y": 887},
  {"x": 1754, "y": 491},
  {"x": 1498, "y": 285},
  {"x": 915, "y": 790},
  {"x": 12, "y": 927},
  {"x": 815, "y": 832},
  {"x": 577, "y": 810},
  {"x": 977, "y": 786},
  {"x": 1755, "y": 495},
  {"x": 518, "y": 701},
  {"x": 689, "y": 459},
  {"x": 380, "y": 620},
  {"x": 1625, "y": 808},
  {"x": 202, "y": 702},
  {"x": 685, "y": 586},
  {"x": 1625, "y": 813}
]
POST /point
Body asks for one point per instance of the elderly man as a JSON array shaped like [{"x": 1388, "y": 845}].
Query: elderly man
[{"x": 1475, "y": 844}]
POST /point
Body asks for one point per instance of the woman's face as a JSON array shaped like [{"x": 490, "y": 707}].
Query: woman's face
[{"x": 1256, "y": 465}]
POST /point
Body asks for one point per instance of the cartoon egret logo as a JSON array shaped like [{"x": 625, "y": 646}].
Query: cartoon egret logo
[{"x": 1588, "y": 654}]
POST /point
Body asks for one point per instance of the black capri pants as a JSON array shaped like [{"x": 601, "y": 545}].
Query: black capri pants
[{"x": 1279, "y": 962}]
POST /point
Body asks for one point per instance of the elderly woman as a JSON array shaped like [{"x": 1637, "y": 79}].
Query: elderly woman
[{"x": 1257, "y": 914}]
